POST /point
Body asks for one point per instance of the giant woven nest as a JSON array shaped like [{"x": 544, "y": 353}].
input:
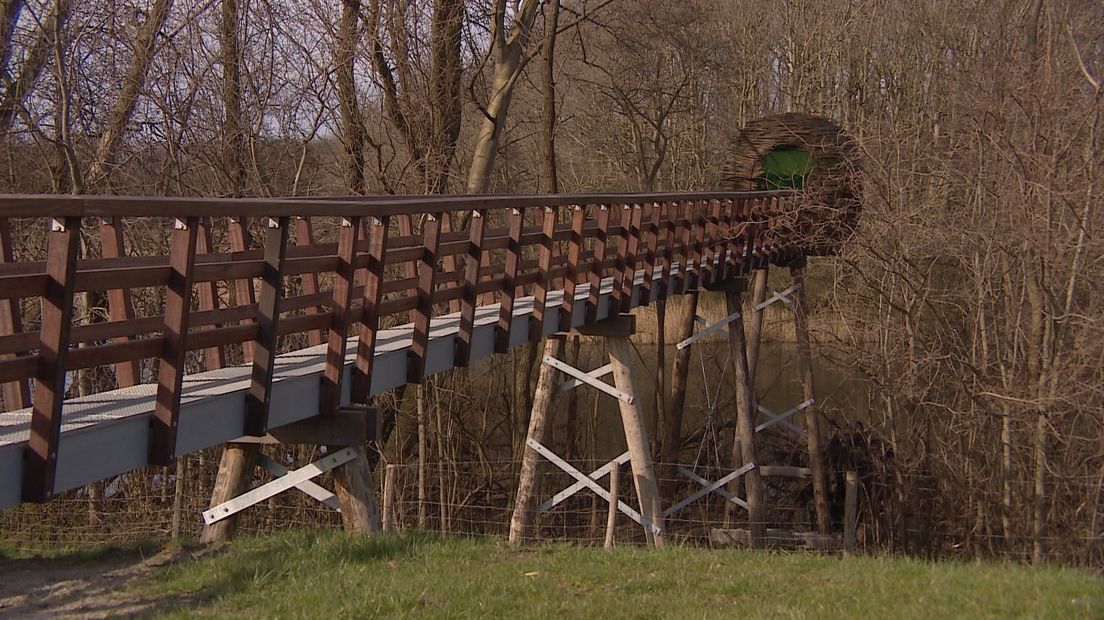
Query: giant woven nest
[{"x": 823, "y": 216}]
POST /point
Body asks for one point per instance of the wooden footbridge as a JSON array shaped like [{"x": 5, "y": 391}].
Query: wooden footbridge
[{"x": 407, "y": 287}]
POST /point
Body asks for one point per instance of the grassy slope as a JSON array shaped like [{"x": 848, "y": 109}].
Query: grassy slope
[{"x": 315, "y": 574}]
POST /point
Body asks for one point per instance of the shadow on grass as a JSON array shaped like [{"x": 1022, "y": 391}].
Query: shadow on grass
[{"x": 254, "y": 563}]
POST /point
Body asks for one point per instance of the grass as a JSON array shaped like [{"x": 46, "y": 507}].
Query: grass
[{"x": 312, "y": 574}]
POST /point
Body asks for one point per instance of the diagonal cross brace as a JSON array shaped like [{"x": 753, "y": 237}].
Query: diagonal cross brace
[
  {"x": 597, "y": 373},
  {"x": 782, "y": 418},
  {"x": 708, "y": 330},
  {"x": 575, "y": 373},
  {"x": 595, "y": 475},
  {"x": 277, "y": 486},
  {"x": 784, "y": 296},
  {"x": 591, "y": 484},
  {"x": 710, "y": 488},
  {"x": 316, "y": 491},
  {"x": 705, "y": 483}
]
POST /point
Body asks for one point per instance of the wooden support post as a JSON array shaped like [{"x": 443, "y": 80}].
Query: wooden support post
[
  {"x": 676, "y": 403},
  {"x": 669, "y": 214},
  {"x": 213, "y": 357},
  {"x": 744, "y": 450},
  {"x": 544, "y": 273},
  {"x": 509, "y": 284},
  {"x": 632, "y": 249},
  {"x": 615, "y": 497},
  {"x": 389, "y": 473},
  {"x": 355, "y": 493},
  {"x": 598, "y": 271},
  {"x": 234, "y": 475},
  {"x": 547, "y": 381},
  {"x": 170, "y": 367},
  {"x": 651, "y": 248},
  {"x": 369, "y": 317},
  {"x": 813, "y": 433},
  {"x": 472, "y": 264},
  {"x": 304, "y": 236},
  {"x": 244, "y": 293},
  {"x": 427, "y": 283},
  {"x": 850, "y": 511},
  {"x": 120, "y": 305},
  {"x": 17, "y": 394},
  {"x": 259, "y": 398},
  {"x": 40, "y": 462},
  {"x": 636, "y": 438},
  {"x": 341, "y": 316},
  {"x": 574, "y": 255},
  {"x": 755, "y": 326},
  {"x": 621, "y": 290}
]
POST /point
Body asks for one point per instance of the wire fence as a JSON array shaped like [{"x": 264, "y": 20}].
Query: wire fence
[{"x": 476, "y": 498}]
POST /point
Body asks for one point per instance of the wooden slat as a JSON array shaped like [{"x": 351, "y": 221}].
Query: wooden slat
[
  {"x": 17, "y": 394},
  {"x": 544, "y": 278},
  {"x": 651, "y": 252},
  {"x": 341, "y": 316},
  {"x": 709, "y": 248},
  {"x": 238, "y": 228},
  {"x": 516, "y": 218},
  {"x": 696, "y": 249},
  {"x": 174, "y": 347},
  {"x": 628, "y": 274},
  {"x": 724, "y": 244},
  {"x": 670, "y": 214},
  {"x": 369, "y": 319},
  {"x": 427, "y": 278},
  {"x": 574, "y": 256},
  {"x": 40, "y": 463},
  {"x": 259, "y": 398},
  {"x": 120, "y": 305},
  {"x": 470, "y": 298},
  {"x": 304, "y": 237},
  {"x": 598, "y": 272},
  {"x": 213, "y": 357}
]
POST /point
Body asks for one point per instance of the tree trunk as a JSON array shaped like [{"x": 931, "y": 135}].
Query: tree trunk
[
  {"x": 522, "y": 518},
  {"x": 744, "y": 449},
  {"x": 133, "y": 82}
]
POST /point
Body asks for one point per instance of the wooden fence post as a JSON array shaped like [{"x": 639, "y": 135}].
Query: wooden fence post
[{"x": 615, "y": 497}]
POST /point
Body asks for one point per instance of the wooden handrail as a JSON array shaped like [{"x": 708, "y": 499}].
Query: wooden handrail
[{"x": 512, "y": 246}]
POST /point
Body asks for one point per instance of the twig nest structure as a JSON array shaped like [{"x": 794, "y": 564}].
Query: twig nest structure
[{"x": 811, "y": 156}]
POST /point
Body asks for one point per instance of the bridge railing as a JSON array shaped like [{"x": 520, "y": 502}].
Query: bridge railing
[{"x": 206, "y": 286}]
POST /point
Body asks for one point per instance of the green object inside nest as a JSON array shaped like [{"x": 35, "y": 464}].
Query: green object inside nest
[{"x": 785, "y": 167}]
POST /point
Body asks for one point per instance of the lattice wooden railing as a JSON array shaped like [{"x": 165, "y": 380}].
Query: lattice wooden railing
[{"x": 390, "y": 259}]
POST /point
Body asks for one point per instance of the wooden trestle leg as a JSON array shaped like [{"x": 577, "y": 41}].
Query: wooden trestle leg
[
  {"x": 744, "y": 452},
  {"x": 234, "y": 474},
  {"x": 522, "y": 517},
  {"x": 616, "y": 331}
]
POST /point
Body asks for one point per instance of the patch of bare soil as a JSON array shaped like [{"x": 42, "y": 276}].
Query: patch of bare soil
[{"x": 82, "y": 587}]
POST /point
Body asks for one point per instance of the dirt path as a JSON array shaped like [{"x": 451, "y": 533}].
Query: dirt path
[{"x": 81, "y": 587}]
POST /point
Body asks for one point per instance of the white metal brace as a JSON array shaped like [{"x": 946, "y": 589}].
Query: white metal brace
[
  {"x": 316, "y": 491},
  {"x": 710, "y": 487},
  {"x": 575, "y": 373},
  {"x": 597, "y": 373},
  {"x": 595, "y": 475},
  {"x": 705, "y": 483},
  {"x": 591, "y": 484},
  {"x": 277, "y": 486},
  {"x": 784, "y": 296},
  {"x": 782, "y": 418},
  {"x": 708, "y": 330}
]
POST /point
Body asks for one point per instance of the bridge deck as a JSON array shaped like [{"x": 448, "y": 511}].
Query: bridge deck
[{"x": 107, "y": 433}]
